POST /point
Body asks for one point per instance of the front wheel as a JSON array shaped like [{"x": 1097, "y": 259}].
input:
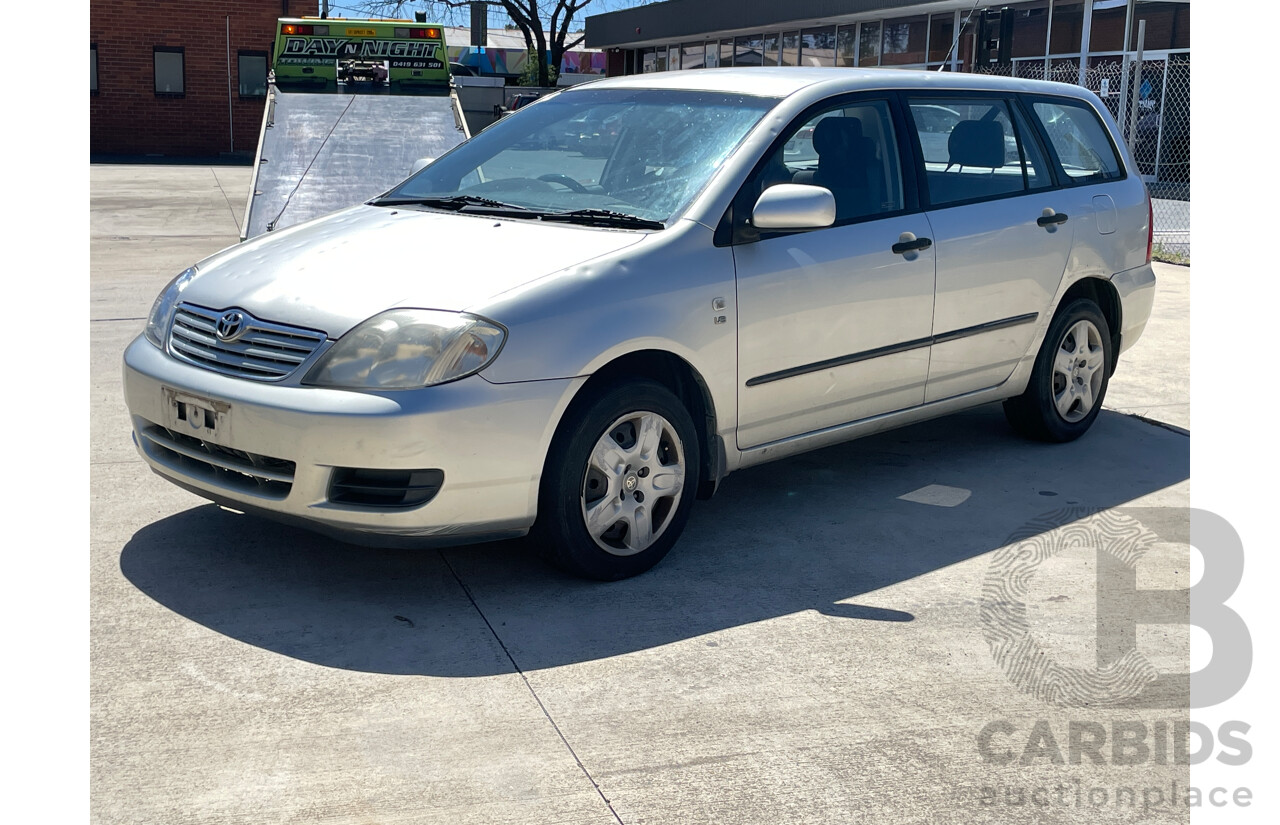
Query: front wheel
[
  {"x": 619, "y": 484},
  {"x": 1069, "y": 379}
]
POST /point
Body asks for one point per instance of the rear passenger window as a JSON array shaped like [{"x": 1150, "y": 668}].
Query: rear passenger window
[
  {"x": 850, "y": 150},
  {"x": 972, "y": 150},
  {"x": 1080, "y": 140}
]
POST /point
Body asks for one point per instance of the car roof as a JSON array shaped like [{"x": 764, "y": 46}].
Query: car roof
[{"x": 781, "y": 81}]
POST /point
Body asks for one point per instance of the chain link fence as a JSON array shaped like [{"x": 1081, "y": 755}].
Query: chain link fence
[{"x": 1157, "y": 129}]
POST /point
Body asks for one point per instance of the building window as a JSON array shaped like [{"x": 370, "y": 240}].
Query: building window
[
  {"x": 749, "y": 51},
  {"x": 818, "y": 47},
  {"x": 941, "y": 33},
  {"x": 790, "y": 49},
  {"x": 1168, "y": 25},
  {"x": 1107, "y": 32},
  {"x": 253, "y": 74},
  {"x": 847, "y": 45},
  {"x": 1030, "y": 29},
  {"x": 726, "y": 52},
  {"x": 1066, "y": 27},
  {"x": 869, "y": 44},
  {"x": 904, "y": 41},
  {"x": 695, "y": 55},
  {"x": 93, "y": 68},
  {"x": 169, "y": 70},
  {"x": 771, "y": 44}
]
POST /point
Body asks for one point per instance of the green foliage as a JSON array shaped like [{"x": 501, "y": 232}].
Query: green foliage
[
  {"x": 1169, "y": 256},
  {"x": 529, "y": 77}
]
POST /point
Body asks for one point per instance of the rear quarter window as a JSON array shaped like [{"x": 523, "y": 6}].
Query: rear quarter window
[{"x": 1080, "y": 140}]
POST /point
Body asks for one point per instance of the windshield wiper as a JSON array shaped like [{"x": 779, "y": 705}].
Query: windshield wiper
[
  {"x": 455, "y": 202},
  {"x": 603, "y": 217}
]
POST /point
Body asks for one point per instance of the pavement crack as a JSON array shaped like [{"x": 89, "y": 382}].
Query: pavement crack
[
  {"x": 230, "y": 208},
  {"x": 471, "y": 598}
]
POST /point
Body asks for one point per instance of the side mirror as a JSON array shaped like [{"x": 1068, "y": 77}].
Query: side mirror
[
  {"x": 794, "y": 206},
  {"x": 420, "y": 164}
]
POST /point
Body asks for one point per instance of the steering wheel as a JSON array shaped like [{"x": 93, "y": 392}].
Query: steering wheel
[{"x": 564, "y": 180}]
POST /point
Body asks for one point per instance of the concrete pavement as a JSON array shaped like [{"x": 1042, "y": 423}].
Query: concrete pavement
[{"x": 816, "y": 649}]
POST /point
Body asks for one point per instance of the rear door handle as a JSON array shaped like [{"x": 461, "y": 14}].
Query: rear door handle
[
  {"x": 903, "y": 247},
  {"x": 1052, "y": 220}
]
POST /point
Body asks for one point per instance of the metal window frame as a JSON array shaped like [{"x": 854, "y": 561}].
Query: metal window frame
[
  {"x": 155, "y": 76},
  {"x": 266, "y": 72}
]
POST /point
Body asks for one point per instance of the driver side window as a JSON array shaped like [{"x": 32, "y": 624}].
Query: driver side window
[{"x": 849, "y": 150}]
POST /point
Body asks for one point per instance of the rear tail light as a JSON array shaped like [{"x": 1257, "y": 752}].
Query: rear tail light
[
  {"x": 421, "y": 34},
  {"x": 1151, "y": 225}
]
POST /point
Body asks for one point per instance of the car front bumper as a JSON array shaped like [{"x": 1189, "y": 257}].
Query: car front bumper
[{"x": 274, "y": 449}]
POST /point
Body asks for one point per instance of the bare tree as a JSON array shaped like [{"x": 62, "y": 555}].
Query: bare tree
[{"x": 545, "y": 24}]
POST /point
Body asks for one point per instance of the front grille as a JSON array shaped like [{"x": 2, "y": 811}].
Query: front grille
[
  {"x": 264, "y": 351},
  {"x": 235, "y": 469}
]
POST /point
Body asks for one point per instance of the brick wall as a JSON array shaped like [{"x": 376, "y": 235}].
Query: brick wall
[{"x": 127, "y": 117}]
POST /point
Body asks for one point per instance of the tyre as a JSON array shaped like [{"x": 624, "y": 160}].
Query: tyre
[
  {"x": 1069, "y": 379},
  {"x": 619, "y": 483}
]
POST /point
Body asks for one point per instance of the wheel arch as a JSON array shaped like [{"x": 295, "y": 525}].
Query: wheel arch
[
  {"x": 1103, "y": 293},
  {"x": 684, "y": 381}
]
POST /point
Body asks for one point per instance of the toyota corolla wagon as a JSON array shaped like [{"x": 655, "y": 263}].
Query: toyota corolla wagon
[{"x": 535, "y": 336}]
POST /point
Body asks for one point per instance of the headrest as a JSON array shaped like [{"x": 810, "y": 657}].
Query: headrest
[
  {"x": 977, "y": 143},
  {"x": 836, "y": 134}
]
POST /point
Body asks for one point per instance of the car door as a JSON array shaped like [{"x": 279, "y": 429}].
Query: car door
[
  {"x": 834, "y": 323},
  {"x": 1002, "y": 233}
]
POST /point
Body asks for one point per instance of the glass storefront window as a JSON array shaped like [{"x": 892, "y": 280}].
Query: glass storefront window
[
  {"x": 847, "y": 46},
  {"x": 1168, "y": 25},
  {"x": 771, "y": 43},
  {"x": 673, "y": 58},
  {"x": 749, "y": 51},
  {"x": 694, "y": 56},
  {"x": 1030, "y": 26},
  {"x": 941, "y": 31},
  {"x": 791, "y": 48},
  {"x": 869, "y": 44},
  {"x": 818, "y": 47},
  {"x": 1066, "y": 28},
  {"x": 726, "y": 52},
  {"x": 904, "y": 41},
  {"x": 1107, "y": 32}
]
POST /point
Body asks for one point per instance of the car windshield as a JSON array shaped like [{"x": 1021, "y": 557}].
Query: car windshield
[{"x": 639, "y": 153}]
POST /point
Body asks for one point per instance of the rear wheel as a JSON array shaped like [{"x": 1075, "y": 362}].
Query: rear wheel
[
  {"x": 1069, "y": 379},
  {"x": 619, "y": 483}
]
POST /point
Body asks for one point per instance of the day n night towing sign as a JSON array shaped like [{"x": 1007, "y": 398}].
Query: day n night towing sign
[{"x": 309, "y": 50}]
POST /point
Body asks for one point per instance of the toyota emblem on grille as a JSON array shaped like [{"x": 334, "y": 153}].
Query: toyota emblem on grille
[{"x": 231, "y": 325}]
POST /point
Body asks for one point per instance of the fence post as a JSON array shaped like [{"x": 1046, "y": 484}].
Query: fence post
[{"x": 1136, "y": 90}]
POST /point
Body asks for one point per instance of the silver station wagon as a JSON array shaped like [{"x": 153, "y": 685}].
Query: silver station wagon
[{"x": 573, "y": 337}]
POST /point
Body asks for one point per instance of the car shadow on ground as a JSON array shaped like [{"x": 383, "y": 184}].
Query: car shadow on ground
[{"x": 814, "y": 532}]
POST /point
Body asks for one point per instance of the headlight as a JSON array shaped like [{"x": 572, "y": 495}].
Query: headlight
[
  {"x": 409, "y": 348},
  {"x": 162, "y": 310}
]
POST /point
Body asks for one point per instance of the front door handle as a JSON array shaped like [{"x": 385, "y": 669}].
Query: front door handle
[
  {"x": 1052, "y": 220},
  {"x": 903, "y": 247}
]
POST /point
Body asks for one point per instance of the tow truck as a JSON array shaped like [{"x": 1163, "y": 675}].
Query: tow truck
[{"x": 352, "y": 107}]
